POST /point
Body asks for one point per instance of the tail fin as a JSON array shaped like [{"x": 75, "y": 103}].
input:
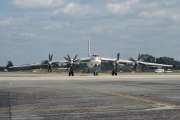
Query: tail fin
[{"x": 89, "y": 51}]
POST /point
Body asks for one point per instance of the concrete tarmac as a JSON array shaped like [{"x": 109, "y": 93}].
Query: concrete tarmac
[{"x": 84, "y": 96}]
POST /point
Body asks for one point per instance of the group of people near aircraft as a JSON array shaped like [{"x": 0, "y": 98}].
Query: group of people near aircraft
[{"x": 93, "y": 61}]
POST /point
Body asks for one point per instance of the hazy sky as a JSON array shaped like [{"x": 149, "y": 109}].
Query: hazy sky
[{"x": 31, "y": 29}]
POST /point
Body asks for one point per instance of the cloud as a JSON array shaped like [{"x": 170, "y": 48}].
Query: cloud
[
  {"x": 153, "y": 14},
  {"x": 121, "y": 8},
  {"x": 74, "y": 9},
  {"x": 37, "y": 3},
  {"x": 27, "y": 34},
  {"x": 175, "y": 17},
  {"x": 48, "y": 27},
  {"x": 97, "y": 30},
  {"x": 7, "y": 22}
]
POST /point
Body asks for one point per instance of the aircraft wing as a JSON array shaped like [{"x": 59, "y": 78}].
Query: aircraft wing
[
  {"x": 26, "y": 65},
  {"x": 31, "y": 65},
  {"x": 125, "y": 62},
  {"x": 63, "y": 61},
  {"x": 114, "y": 60},
  {"x": 106, "y": 59},
  {"x": 87, "y": 59},
  {"x": 155, "y": 64}
]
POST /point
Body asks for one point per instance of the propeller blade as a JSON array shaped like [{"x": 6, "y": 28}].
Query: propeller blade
[
  {"x": 69, "y": 57},
  {"x": 50, "y": 57},
  {"x": 131, "y": 59},
  {"x": 74, "y": 58},
  {"x": 116, "y": 67},
  {"x": 75, "y": 65},
  {"x": 139, "y": 57},
  {"x": 50, "y": 67},
  {"x": 68, "y": 66},
  {"x": 118, "y": 56},
  {"x": 134, "y": 67},
  {"x": 66, "y": 59}
]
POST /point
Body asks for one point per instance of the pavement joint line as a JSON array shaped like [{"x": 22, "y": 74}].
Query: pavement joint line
[
  {"x": 156, "y": 103},
  {"x": 80, "y": 108}
]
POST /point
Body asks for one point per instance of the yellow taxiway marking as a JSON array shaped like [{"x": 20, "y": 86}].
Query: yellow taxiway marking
[
  {"x": 156, "y": 103},
  {"x": 79, "y": 108}
]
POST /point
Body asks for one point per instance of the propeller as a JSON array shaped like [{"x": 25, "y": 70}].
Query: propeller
[
  {"x": 116, "y": 62},
  {"x": 136, "y": 62},
  {"x": 71, "y": 62},
  {"x": 50, "y": 63}
]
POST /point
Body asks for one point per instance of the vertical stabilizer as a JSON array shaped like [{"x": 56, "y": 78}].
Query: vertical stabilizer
[{"x": 89, "y": 51}]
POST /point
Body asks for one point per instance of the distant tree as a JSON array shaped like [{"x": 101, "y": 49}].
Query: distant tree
[
  {"x": 165, "y": 60},
  {"x": 9, "y": 64},
  {"x": 176, "y": 65},
  {"x": 1, "y": 68},
  {"x": 148, "y": 58}
]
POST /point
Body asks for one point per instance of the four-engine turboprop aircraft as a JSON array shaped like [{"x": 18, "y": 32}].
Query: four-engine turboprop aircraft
[{"x": 93, "y": 61}]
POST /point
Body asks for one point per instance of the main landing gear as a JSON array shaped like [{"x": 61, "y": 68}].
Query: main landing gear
[
  {"x": 71, "y": 73},
  {"x": 114, "y": 72}
]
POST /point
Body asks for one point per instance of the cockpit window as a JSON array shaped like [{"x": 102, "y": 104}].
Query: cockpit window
[{"x": 95, "y": 55}]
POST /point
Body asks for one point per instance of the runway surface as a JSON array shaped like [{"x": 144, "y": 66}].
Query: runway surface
[{"x": 58, "y": 96}]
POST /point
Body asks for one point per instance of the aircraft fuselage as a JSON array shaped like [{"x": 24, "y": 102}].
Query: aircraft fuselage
[{"x": 94, "y": 61}]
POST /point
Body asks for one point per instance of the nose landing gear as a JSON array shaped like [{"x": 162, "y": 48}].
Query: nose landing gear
[{"x": 95, "y": 73}]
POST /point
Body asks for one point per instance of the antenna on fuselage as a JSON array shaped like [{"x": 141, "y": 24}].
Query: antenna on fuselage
[{"x": 89, "y": 51}]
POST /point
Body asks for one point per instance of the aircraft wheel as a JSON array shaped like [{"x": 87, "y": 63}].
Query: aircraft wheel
[
  {"x": 71, "y": 73},
  {"x": 96, "y": 73},
  {"x": 116, "y": 73},
  {"x": 112, "y": 72}
]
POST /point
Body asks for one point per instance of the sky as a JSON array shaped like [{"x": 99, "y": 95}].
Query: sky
[{"x": 32, "y": 29}]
